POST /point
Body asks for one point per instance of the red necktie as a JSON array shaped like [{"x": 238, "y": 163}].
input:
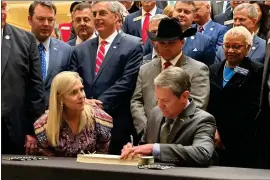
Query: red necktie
[
  {"x": 166, "y": 65},
  {"x": 100, "y": 55},
  {"x": 145, "y": 27},
  {"x": 201, "y": 29}
]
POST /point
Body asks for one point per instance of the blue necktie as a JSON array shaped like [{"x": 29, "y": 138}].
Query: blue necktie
[{"x": 41, "y": 49}]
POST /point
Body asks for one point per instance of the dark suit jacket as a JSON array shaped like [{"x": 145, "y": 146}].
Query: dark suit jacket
[
  {"x": 222, "y": 18},
  {"x": 256, "y": 53},
  {"x": 216, "y": 32},
  {"x": 191, "y": 140},
  {"x": 60, "y": 54},
  {"x": 72, "y": 42},
  {"x": 115, "y": 81},
  {"x": 134, "y": 27},
  {"x": 22, "y": 88},
  {"x": 235, "y": 108},
  {"x": 200, "y": 48}
]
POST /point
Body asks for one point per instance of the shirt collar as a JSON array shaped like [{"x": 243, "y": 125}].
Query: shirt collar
[
  {"x": 152, "y": 12},
  {"x": 173, "y": 61},
  {"x": 79, "y": 40},
  {"x": 46, "y": 43},
  {"x": 206, "y": 24},
  {"x": 109, "y": 39}
]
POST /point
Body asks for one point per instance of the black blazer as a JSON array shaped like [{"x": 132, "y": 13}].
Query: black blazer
[
  {"x": 235, "y": 108},
  {"x": 236, "y": 105},
  {"x": 223, "y": 17},
  {"x": 22, "y": 87}
]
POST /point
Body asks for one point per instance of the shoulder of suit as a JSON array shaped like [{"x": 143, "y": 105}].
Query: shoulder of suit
[
  {"x": 254, "y": 65},
  {"x": 61, "y": 43},
  {"x": 202, "y": 115},
  {"x": 194, "y": 63},
  {"x": 21, "y": 32},
  {"x": 260, "y": 40}
]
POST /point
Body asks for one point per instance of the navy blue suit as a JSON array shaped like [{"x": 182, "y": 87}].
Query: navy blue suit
[
  {"x": 60, "y": 54},
  {"x": 200, "y": 48},
  {"x": 216, "y": 32},
  {"x": 72, "y": 42},
  {"x": 223, "y": 17},
  {"x": 256, "y": 53},
  {"x": 115, "y": 82},
  {"x": 134, "y": 27}
]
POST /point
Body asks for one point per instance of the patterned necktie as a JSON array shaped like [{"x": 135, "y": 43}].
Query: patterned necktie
[
  {"x": 100, "y": 56},
  {"x": 166, "y": 65},
  {"x": 42, "y": 55},
  {"x": 201, "y": 29},
  {"x": 145, "y": 27},
  {"x": 165, "y": 130}
]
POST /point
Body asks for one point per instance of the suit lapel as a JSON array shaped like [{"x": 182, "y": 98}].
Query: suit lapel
[
  {"x": 6, "y": 47},
  {"x": 209, "y": 28},
  {"x": 139, "y": 22},
  {"x": 53, "y": 58},
  {"x": 114, "y": 46},
  {"x": 187, "y": 42},
  {"x": 181, "y": 121},
  {"x": 182, "y": 61},
  {"x": 254, "y": 47}
]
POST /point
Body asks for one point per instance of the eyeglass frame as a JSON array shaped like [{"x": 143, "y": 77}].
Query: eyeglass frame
[{"x": 234, "y": 47}]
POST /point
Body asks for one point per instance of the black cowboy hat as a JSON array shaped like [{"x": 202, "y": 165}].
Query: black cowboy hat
[{"x": 170, "y": 29}]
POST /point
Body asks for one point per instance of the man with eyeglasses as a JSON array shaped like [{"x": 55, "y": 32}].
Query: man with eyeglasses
[
  {"x": 54, "y": 54},
  {"x": 22, "y": 89},
  {"x": 234, "y": 100},
  {"x": 245, "y": 15}
]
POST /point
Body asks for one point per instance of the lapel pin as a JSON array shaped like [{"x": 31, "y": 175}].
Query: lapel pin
[
  {"x": 192, "y": 37},
  {"x": 7, "y": 37},
  {"x": 55, "y": 49},
  {"x": 211, "y": 29},
  {"x": 253, "y": 48},
  {"x": 114, "y": 47}
]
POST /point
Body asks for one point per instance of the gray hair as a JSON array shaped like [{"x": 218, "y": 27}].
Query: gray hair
[
  {"x": 114, "y": 6},
  {"x": 252, "y": 11},
  {"x": 158, "y": 17},
  {"x": 240, "y": 31},
  {"x": 174, "y": 78}
]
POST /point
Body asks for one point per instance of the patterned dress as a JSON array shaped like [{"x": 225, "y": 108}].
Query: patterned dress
[{"x": 88, "y": 140}]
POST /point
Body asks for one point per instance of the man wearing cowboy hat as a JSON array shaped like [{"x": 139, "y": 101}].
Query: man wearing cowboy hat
[{"x": 169, "y": 40}]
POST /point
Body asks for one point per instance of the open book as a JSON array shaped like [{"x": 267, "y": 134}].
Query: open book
[{"x": 114, "y": 159}]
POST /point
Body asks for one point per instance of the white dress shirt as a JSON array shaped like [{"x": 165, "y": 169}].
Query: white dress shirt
[
  {"x": 152, "y": 13},
  {"x": 173, "y": 61},
  {"x": 109, "y": 41}
]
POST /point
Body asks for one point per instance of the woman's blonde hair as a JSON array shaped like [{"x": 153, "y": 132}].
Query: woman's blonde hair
[{"x": 62, "y": 84}]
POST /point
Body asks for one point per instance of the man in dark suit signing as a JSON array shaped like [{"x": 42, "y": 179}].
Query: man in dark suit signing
[
  {"x": 22, "y": 88},
  {"x": 177, "y": 131},
  {"x": 109, "y": 66}
]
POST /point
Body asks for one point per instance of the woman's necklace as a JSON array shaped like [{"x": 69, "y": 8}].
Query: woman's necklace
[{"x": 71, "y": 126}]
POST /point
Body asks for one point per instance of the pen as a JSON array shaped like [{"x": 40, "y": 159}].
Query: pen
[{"x": 131, "y": 140}]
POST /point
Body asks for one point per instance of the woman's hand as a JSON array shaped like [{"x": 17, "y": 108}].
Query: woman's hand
[{"x": 218, "y": 141}]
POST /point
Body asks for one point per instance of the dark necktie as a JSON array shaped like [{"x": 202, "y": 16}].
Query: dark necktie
[
  {"x": 165, "y": 131},
  {"x": 166, "y": 65},
  {"x": 201, "y": 29},
  {"x": 42, "y": 55}
]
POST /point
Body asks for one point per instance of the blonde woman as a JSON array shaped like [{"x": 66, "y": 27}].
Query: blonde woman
[{"x": 71, "y": 126}]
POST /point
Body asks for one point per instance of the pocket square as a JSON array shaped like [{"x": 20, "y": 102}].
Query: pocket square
[{"x": 195, "y": 49}]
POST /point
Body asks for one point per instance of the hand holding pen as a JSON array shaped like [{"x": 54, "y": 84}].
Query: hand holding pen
[{"x": 127, "y": 149}]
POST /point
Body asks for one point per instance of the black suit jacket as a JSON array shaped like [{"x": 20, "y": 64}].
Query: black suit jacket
[
  {"x": 22, "y": 87},
  {"x": 223, "y": 17},
  {"x": 235, "y": 108}
]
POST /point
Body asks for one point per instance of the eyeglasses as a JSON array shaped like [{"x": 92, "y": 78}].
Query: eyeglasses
[
  {"x": 237, "y": 47},
  {"x": 5, "y": 9}
]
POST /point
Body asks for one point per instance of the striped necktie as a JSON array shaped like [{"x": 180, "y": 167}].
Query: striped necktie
[
  {"x": 100, "y": 56},
  {"x": 165, "y": 130},
  {"x": 42, "y": 55}
]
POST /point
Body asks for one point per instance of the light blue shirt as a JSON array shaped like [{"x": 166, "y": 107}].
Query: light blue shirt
[
  {"x": 156, "y": 148},
  {"x": 46, "y": 45},
  {"x": 205, "y": 25}
]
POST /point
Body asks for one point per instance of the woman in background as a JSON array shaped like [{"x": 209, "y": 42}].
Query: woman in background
[{"x": 71, "y": 126}]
